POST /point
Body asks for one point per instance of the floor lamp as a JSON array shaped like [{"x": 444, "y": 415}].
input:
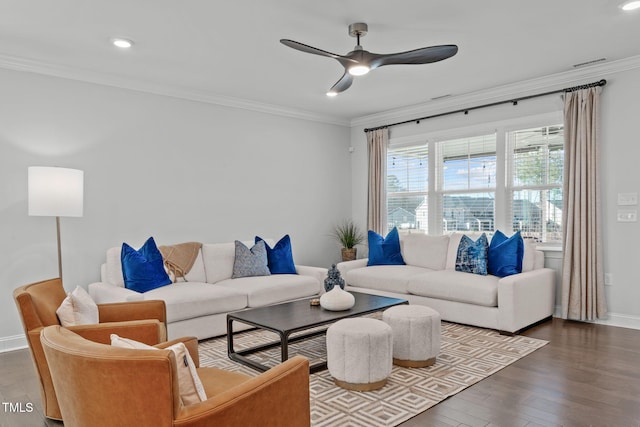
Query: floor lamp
[{"x": 56, "y": 192}]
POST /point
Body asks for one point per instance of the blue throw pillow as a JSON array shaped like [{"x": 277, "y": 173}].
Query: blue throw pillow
[
  {"x": 280, "y": 257},
  {"x": 143, "y": 270},
  {"x": 472, "y": 256},
  {"x": 250, "y": 262},
  {"x": 505, "y": 254},
  {"x": 384, "y": 251}
]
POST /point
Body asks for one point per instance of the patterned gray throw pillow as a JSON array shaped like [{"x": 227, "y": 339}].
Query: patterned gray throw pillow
[
  {"x": 472, "y": 256},
  {"x": 250, "y": 262}
]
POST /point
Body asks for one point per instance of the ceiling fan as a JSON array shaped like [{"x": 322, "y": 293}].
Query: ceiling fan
[{"x": 359, "y": 61}]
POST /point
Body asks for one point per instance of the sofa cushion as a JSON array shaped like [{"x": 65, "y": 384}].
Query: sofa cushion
[
  {"x": 188, "y": 300},
  {"x": 505, "y": 254},
  {"x": 456, "y": 286},
  {"x": 265, "y": 290},
  {"x": 423, "y": 250},
  {"x": 78, "y": 308},
  {"x": 391, "y": 278},
  {"x": 280, "y": 257},
  {"x": 113, "y": 270},
  {"x": 472, "y": 256},
  {"x": 196, "y": 274},
  {"x": 384, "y": 250},
  {"x": 143, "y": 269},
  {"x": 533, "y": 259},
  {"x": 249, "y": 262},
  {"x": 218, "y": 260}
]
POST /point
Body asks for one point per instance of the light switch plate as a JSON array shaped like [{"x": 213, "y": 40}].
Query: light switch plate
[
  {"x": 627, "y": 199},
  {"x": 627, "y": 215}
]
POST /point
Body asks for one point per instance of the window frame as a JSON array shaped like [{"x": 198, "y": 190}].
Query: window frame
[{"x": 503, "y": 208}]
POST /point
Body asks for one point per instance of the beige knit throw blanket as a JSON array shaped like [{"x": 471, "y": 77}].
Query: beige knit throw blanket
[{"x": 179, "y": 258}]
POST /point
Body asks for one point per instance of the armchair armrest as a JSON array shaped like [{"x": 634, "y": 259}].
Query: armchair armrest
[
  {"x": 103, "y": 292},
  {"x": 150, "y": 331},
  {"x": 135, "y": 310},
  {"x": 319, "y": 273},
  {"x": 277, "y": 397},
  {"x": 525, "y": 298},
  {"x": 190, "y": 342}
]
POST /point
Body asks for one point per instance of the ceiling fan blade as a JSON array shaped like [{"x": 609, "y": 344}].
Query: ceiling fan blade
[
  {"x": 308, "y": 49},
  {"x": 343, "y": 84},
  {"x": 423, "y": 55}
]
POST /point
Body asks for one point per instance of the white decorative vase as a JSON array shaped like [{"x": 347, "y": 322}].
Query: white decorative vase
[{"x": 337, "y": 299}]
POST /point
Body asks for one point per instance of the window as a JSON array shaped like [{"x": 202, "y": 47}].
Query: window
[
  {"x": 536, "y": 182},
  {"x": 509, "y": 180},
  {"x": 407, "y": 187},
  {"x": 468, "y": 176}
]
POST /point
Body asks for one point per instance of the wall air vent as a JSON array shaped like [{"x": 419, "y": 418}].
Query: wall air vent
[{"x": 588, "y": 63}]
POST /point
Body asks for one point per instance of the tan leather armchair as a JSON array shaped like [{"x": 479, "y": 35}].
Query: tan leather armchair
[
  {"x": 104, "y": 386},
  {"x": 37, "y": 303}
]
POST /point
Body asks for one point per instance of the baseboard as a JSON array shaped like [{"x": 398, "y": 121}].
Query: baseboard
[
  {"x": 15, "y": 342},
  {"x": 613, "y": 319}
]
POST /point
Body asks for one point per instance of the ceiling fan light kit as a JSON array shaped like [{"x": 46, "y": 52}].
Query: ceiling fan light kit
[{"x": 359, "y": 62}]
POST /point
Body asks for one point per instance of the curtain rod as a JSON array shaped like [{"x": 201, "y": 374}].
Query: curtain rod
[{"x": 493, "y": 104}]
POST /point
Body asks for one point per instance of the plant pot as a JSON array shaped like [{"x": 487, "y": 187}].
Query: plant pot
[{"x": 349, "y": 254}]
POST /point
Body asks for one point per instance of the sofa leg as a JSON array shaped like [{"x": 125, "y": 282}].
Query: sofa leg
[{"x": 506, "y": 333}]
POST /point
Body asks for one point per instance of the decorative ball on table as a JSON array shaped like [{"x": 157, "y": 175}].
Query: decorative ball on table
[{"x": 333, "y": 279}]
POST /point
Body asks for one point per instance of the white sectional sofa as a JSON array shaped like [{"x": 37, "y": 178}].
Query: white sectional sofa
[
  {"x": 429, "y": 278},
  {"x": 199, "y": 306}
]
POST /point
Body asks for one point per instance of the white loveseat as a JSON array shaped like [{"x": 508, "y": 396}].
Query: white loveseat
[
  {"x": 199, "y": 306},
  {"x": 429, "y": 278}
]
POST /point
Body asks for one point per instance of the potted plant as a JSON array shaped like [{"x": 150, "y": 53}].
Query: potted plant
[{"x": 349, "y": 235}]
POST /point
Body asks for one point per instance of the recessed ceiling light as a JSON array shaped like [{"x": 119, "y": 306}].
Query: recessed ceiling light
[
  {"x": 630, "y": 5},
  {"x": 122, "y": 43},
  {"x": 332, "y": 94}
]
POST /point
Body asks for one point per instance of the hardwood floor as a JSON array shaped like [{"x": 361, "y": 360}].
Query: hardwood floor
[{"x": 588, "y": 375}]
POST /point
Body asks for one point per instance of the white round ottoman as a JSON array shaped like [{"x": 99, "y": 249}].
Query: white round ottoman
[
  {"x": 359, "y": 353},
  {"x": 416, "y": 334}
]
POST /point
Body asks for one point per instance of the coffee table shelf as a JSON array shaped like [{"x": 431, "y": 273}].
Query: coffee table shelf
[{"x": 297, "y": 316}]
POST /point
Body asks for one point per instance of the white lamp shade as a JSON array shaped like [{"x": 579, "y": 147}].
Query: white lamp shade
[{"x": 55, "y": 191}]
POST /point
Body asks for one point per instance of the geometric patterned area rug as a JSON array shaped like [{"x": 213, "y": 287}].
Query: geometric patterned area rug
[{"x": 467, "y": 355}]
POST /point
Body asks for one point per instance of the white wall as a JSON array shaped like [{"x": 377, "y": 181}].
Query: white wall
[
  {"x": 620, "y": 174},
  {"x": 157, "y": 166}
]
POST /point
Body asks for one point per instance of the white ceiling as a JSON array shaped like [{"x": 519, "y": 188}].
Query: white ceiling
[{"x": 231, "y": 51}]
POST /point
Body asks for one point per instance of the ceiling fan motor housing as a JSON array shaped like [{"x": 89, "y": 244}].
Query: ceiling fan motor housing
[{"x": 358, "y": 29}]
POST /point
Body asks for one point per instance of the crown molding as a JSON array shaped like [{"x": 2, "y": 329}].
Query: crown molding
[
  {"x": 32, "y": 66},
  {"x": 504, "y": 92},
  {"x": 499, "y": 93}
]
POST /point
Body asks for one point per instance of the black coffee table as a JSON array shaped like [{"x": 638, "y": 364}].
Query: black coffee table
[{"x": 291, "y": 317}]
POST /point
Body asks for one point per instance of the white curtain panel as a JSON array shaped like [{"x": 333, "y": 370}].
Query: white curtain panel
[
  {"x": 583, "y": 295},
  {"x": 377, "y": 142}
]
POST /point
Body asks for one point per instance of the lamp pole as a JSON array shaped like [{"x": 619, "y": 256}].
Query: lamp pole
[{"x": 59, "y": 247}]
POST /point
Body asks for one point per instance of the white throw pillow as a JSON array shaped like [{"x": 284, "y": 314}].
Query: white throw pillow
[
  {"x": 78, "y": 308},
  {"x": 189, "y": 384}
]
